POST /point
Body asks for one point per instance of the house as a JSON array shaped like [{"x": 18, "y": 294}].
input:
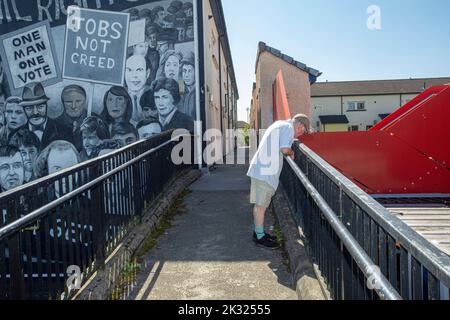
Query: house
[
  {"x": 363, "y": 103},
  {"x": 297, "y": 77}
]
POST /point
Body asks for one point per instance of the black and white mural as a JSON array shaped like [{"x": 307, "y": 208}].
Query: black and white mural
[{"x": 49, "y": 121}]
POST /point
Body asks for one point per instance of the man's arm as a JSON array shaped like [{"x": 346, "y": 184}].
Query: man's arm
[{"x": 288, "y": 152}]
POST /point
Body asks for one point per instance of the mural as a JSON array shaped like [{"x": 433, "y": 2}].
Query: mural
[{"x": 51, "y": 119}]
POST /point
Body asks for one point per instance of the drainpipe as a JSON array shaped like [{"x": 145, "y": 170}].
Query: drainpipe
[
  {"x": 200, "y": 83},
  {"x": 220, "y": 89}
]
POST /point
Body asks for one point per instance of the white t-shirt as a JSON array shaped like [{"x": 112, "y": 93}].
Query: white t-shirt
[{"x": 267, "y": 163}]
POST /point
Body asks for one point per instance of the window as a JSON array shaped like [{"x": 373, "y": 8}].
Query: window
[
  {"x": 353, "y": 128},
  {"x": 356, "y": 106}
]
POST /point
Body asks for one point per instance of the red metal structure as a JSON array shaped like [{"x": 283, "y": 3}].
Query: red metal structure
[
  {"x": 407, "y": 153},
  {"x": 281, "y": 109}
]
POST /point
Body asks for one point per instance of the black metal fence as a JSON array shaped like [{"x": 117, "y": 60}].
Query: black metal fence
[
  {"x": 415, "y": 268},
  {"x": 78, "y": 217}
]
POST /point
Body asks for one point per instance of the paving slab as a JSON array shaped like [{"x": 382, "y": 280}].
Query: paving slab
[{"x": 208, "y": 253}]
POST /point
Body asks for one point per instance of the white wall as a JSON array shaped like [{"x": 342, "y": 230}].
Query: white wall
[{"x": 374, "y": 105}]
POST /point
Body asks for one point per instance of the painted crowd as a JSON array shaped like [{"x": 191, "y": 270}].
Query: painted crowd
[{"x": 158, "y": 95}]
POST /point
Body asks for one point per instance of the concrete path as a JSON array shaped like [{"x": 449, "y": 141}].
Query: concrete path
[{"x": 209, "y": 253}]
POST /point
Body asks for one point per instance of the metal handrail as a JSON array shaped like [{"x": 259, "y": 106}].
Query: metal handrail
[
  {"x": 436, "y": 261},
  {"x": 42, "y": 211},
  {"x": 382, "y": 286},
  {"x": 57, "y": 175}
]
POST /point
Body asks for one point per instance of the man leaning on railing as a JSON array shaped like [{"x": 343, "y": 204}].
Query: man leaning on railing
[{"x": 265, "y": 170}]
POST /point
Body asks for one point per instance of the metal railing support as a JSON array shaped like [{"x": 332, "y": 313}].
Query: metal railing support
[{"x": 382, "y": 286}]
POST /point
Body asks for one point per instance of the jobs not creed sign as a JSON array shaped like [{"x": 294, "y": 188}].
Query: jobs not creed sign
[{"x": 95, "y": 46}]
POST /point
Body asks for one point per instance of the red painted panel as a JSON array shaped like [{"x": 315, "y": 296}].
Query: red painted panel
[
  {"x": 425, "y": 126},
  {"x": 281, "y": 109},
  {"x": 380, "y": 163}
]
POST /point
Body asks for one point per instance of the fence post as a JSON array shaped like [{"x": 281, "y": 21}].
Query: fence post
[
  {"x": 137, "y": 186},
  {"x": 15, "y": 256},
  {"x": 99, "y": 218}
]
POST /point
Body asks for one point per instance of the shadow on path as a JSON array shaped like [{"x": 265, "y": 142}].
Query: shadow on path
[{"x": 208, "y": 253}]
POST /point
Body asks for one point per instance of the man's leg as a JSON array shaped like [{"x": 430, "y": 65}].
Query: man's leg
[{"x": 258, "y": 215}]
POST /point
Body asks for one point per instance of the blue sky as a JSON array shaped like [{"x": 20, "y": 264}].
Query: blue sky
[{"x": 332, "y": 36}]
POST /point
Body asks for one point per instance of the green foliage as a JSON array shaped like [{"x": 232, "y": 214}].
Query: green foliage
[{"x": 246, "y": 131}]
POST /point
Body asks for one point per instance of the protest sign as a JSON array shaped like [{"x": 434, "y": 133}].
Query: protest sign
[
  {"x": 95, "y": 46},
  {"x": 28, "y": 55}
]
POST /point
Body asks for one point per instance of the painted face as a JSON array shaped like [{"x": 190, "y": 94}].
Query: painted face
[
  {"x": 116, "y": 106},
  {"x": 166, "y": 24},
  {"x": 172, "y": 68},
  {"x": 149, "y": 131},
  {"x": 149, "y": 113},
  {"x": 11, "y": 171},
  {"x": 190, "y": 32},
  {"x": 188, "y": 75},
  {"x": 136, "y": 73},
  {"x": 126, "y": 139},
  {"x": 164, "y": 102},
  {"x": 152, "y": 41},
  {"x": 90, "y": 142},
  {"x": 161, "y": 15},
  {"x": 61, "y": 159},
  {"x": 181, "y": 34},
  {"x": 140, "y": 49},
  {"x": 36, "y": 114},
  {"x": 15, "y": 116},
  {"x": 29, "y": 155},
  {"x": 74, "y": 103},
  {"x": 188, "y": 12}
]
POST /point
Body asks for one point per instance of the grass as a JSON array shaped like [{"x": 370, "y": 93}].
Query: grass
[
  {"x": 127, "y": 279},
  {"x": 163, "y": 224},
  {"x": 277, "y": 233}
]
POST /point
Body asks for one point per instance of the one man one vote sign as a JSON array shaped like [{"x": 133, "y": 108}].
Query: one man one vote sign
[
  {"x": 95, "y": 46},
  {"x": 30, "y": 56}
]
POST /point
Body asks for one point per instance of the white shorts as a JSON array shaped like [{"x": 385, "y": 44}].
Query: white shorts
[{"x": 261, "y": 193}]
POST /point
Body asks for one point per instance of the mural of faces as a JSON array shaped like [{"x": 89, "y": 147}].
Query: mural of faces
[
  {"x": 11, "y": 171},
  {"x": 29, "y": 156},
  {"x": 160, "y": 16},
  {"x": 116, "y": 106},
  {"x": 149, "y": 113},
  {"x": 59, "y": 159},
  {"x": 37, "y": 114},
  {"x": 149, "y": 130},
  {"x": 140, "y": 49},
  {"x": 15, "y": 116},
  {"x": 91, "y": 142},
  {"x": 63, "y": 107},
  {"x": 151, "y": 39},
  {"x": 74, "y": 103},
  {"x": 172, "y": 68},
  {"x": 164, "y": 102},
  {"x": 136, "y": 73},
  {"x": 125, "y": 139},
  {"x": 189, "y": 74}
]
